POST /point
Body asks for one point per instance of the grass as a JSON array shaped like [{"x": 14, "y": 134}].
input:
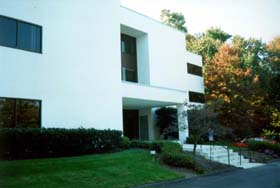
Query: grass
[{"x": 122, "y": 169}]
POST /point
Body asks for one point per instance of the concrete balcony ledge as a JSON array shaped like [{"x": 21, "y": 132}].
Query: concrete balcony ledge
[{"x": 151, "y": 96}]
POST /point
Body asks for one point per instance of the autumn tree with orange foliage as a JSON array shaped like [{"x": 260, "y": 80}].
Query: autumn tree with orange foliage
[
  {"x": 242, "y": 80},
  {"x": 236, "y": 87}
]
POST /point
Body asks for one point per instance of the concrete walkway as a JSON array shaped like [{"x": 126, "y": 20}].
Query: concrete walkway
[{"x": 265, "y": 176}]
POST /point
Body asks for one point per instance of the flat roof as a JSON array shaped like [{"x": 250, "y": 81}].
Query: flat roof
[{"x": 152, "y": 19}]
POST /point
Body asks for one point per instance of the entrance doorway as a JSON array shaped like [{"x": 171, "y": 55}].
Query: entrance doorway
[
  {"x": 144, "y": 128},
  {"x": 131, "y": 124}
]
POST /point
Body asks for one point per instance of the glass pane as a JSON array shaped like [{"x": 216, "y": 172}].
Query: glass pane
[
  {"x": 7, "y": 115},
  {"x": 28, "y": 113},
  {"x": 8, "y": 32},
  {"x": 29, "y": 37},
  {"x": 194, "y": 69},
  {"x": 130, "y": 75},
  {"x": 123, "y": 47},
  {"x": 196, "y": 97}
]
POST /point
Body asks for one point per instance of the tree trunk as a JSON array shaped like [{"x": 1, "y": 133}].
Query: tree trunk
[{"x": 194, "y": 146}]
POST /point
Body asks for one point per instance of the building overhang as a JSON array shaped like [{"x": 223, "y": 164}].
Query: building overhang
[{"x": 138, "y": 96}]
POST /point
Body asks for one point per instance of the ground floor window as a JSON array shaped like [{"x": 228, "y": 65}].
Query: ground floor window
[
  {"x": 196, "y": 97},
  {"x": 20, "y": 113}
]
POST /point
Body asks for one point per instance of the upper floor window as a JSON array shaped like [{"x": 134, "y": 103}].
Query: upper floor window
[
  {"x": 129, "y": 58},
  {"x": 194, "y": 69},
  {"x": 20, "y": 113},
  {"x": 21, "y": 35},
  {"x": 196, "y": 97}
]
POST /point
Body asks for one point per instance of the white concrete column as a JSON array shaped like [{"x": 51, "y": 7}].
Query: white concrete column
[{"x": 182, "y": 123}]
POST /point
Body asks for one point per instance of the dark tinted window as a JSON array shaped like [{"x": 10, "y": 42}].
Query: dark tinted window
[
  {"x": 7, "y": 115},
  {"x": 8, "y": 30},
  {"x": 129, "y": 58},
  {"x": 196, "y": 97},
  {"x": 29, "y": 37},
  {"x": 128, "y": 44},
  {"x": 194, "y": 69},
  {"x": 22, "y": 35},
  {"x": 130, "y": 75},
  {"x": 19, "y": 113}
]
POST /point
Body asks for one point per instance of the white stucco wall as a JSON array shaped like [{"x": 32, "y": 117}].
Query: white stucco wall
[
  {"x": 194, "y": 83},
  {"x": 166, "y": 49},
  {"x": 78, "y": 75}
]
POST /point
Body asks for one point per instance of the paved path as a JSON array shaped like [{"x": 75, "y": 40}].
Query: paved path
[{"x": 265, "y": 176}]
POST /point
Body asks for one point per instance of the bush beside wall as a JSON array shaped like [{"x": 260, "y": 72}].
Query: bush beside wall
[
  {"x": 17, "y": 143},
  {"x": 170, "y": 153},
  {"x": 262, "y": 146},
  {"x": 151, "y": 145}
]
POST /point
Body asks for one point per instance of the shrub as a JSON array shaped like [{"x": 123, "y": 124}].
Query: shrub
[
  {"x": 257, "y": 145},
  {"x": 171, "y": 147},
  {"x": 178, "y": 160},
  {"x": 21, "y": 143},
  {"x": 125, "y": 142},
  {"x": 172, "y": 155},
  {"x": 151, "y": 145}
]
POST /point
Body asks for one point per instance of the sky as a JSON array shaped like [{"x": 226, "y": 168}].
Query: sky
[{"x": 249, "y": 18}]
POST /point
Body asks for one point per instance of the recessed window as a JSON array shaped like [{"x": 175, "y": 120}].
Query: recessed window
[
  {"x": 20, "y": 113},
  {"x": 196, "y": 97},
  {"x": 21, "y": 35},
  {"x": 129, "y": 58},
  {"x": 194, "y": 69}
]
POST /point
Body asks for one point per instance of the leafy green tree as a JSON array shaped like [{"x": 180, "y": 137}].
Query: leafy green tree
[
  {"x": 217, "y": 34},
  {"x": 273, "y": 59},
  {"x": 273, "y": 54},
  {"x": 167, "y": 122},
  {"x": 208, "y": 43},
  {"x": 201, "y": 120},
  {"x": 173, "y": 19}
]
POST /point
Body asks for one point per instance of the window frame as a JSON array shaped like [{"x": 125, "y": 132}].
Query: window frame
[
  {"x": 28, "y": 99},
  {"x": 29, "y": 23}
]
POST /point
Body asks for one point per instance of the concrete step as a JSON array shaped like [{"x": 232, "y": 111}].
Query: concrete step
[
  {"x": 205, "y": 148},
  {"x": 220, "y": 154}
]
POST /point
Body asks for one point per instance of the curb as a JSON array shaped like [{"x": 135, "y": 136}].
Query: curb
[
  {"x": 274, "y": 160},
  {"x": 166, "y": 182}
]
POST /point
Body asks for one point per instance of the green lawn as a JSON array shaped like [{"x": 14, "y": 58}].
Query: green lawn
[{"x": 122, "y": 169}]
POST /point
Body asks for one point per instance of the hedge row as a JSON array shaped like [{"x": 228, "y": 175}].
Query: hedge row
[
  {"x": 262, "y": 146},
  {"x": 25, "y": 143}
]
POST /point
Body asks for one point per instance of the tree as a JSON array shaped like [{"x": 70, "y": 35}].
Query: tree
[
  {"x": 205, "y": 46},
  {"x": 167, "y": 122},
  {"x": 274, "y": 128},
  {"x": 173, "y": 19},
  {"x": 217, "y": 34},
  {"x": 201, "y": 120},
  {"x": 237, "y": 87},
  {"x": 208, "y": 43},
  {"x": 273, "y": 59},
  {"x": 273, "y": 54}
]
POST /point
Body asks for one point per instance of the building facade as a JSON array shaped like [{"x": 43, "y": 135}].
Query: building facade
[{"x": 92, "y": 64}]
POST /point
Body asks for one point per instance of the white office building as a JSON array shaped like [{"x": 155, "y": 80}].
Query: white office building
[{"x": 92, "y": 64}]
